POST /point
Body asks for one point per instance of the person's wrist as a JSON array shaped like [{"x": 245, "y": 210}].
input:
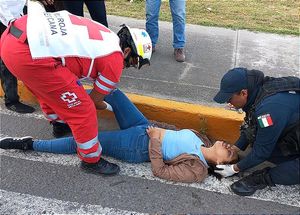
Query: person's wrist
[
  {"x": 235, "y": 148},
  {"x": 235, "y": 168},
  {"x": 108, "y": 106}
]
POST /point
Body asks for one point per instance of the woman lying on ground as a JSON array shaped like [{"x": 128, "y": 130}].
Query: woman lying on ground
[{"x": 181, "y": 155}]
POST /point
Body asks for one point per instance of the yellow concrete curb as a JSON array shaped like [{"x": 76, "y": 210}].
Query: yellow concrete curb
[{"x": 218, "y": 123}]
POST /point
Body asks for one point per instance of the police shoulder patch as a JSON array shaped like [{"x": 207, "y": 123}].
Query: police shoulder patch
[{"x": 265, "y": 120}]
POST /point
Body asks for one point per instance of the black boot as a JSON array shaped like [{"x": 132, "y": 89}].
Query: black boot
[
  {"x": 23, "y": 143},
  {"x": 256, "y": 181},
  {"x": 101, "y": 167},
  {"x": 60, "y": 129},
  {"x": 19, "y": 107}
]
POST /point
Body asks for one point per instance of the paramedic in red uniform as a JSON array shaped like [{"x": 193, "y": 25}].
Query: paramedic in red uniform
[{"x": 98, "y": 54}]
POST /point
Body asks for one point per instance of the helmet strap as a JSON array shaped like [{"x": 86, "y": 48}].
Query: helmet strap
[
  {"x": 127, "y": 63},
  {"x": 142, "y": 62}
]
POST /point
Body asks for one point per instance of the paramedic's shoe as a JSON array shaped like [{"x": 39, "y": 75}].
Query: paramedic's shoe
[
  {"x": 247, "y": 186},
  {"x": 101, "y": 167},
  {"x": 23, "y": 143},
  {"x": 60, "y": 129},
  {"x": 19, "y": 107}
]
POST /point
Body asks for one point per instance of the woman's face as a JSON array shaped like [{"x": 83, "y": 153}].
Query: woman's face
[{"x": 224, "y": 153}]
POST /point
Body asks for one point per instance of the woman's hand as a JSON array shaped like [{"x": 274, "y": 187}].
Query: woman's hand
[
  {"x": 98, "y": 99},
  {"x": 153, "y": 132}
]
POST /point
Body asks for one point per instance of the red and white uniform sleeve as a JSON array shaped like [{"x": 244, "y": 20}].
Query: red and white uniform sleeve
[{"x": 109, "y": 70}]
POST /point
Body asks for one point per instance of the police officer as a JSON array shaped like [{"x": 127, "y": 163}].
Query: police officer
[{"x": 271, "y": 127}]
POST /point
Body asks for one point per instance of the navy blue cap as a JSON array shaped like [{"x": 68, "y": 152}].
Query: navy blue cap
[{"x": 232, "y": 82}]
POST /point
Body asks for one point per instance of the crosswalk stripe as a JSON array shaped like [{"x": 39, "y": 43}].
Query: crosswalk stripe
[
  {"x": 288, "y": 195},
  {"x": 18, "y": 203}
]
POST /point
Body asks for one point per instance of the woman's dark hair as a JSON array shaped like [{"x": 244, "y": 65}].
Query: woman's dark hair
[{"x": 211, "y": 171}]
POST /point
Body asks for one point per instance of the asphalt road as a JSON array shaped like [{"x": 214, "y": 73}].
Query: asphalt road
[{"x": 34, "y": 182}]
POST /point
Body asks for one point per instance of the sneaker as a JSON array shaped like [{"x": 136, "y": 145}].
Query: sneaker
[
  {"x": 179, "y": 55},
  {"x": 23, "y": 143},
  {"x": 19, "y": 107},
  {"x": 101, "y": 167},
  {"x": 247, "y": 186},
  {"x": 60, "y": 129}
]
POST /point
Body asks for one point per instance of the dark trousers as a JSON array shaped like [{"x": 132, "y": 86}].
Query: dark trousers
[
  {"x": 96, "y": 8},
  {"x": 8, "y": 81},
  {"x": 287, "y": 169}
]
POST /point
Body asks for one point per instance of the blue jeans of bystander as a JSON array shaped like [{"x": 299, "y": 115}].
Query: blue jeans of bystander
[{"x": 178, "y": 16}]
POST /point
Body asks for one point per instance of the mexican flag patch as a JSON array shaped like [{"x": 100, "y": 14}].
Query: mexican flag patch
[{"x": 265, "y": 120}]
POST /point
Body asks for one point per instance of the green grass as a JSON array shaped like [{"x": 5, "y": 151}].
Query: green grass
[{"x": 276, "y": 16}]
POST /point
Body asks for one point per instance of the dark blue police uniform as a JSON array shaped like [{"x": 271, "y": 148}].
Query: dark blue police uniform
[
  {"x": 283, "y": 109},
  {"x": 271, "y": 126}
]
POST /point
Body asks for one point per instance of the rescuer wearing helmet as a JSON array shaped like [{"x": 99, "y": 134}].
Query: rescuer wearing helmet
[{"x": 52, "y": 52}]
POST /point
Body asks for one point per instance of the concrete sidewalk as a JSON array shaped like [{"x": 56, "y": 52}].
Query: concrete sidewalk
[{"x": 210, "y": 52}]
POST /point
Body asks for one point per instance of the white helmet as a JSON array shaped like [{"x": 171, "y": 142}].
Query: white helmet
[{"x": 139, "y": 41}]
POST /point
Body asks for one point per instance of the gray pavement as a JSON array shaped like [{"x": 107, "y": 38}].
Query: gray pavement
[{"x": 210, "y": 52}]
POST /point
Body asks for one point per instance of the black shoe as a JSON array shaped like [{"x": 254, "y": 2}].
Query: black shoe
[
  {"x": 247, "y": 186},
  {"x": 23, "y": 143},
  {"x": 60, "y": 129},
  {"x": 101, "y": 167},
  {"x": 19, "y": 107}
]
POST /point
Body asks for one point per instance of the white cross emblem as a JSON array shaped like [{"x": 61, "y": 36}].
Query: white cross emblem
[{"x": 69, "y": 97}]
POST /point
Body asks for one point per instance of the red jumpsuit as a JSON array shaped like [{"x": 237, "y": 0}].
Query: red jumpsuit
[{"x": 58, "y": 89}]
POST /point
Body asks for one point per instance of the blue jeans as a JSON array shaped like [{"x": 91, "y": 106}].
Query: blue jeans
[
  {"x": 178, "y": 16},
  {"x": 129, "y": 144},
  {"x": 96, "y": 8}
]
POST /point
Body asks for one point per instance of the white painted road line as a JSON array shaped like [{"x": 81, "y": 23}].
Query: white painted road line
[
  {"x": 38, "y": 114},
  {"x": 18, "y": 203},
  {"x": 288, "y": 195}
]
